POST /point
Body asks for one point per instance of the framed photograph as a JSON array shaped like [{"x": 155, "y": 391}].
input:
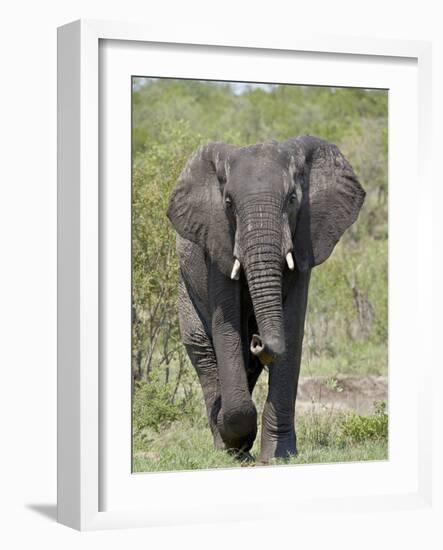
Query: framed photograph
[{"x": 241, "y": 250}]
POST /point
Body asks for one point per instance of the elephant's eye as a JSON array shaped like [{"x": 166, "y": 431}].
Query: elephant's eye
[
  {"x": 228, "y": 201},
  {"x": 292, "y": 198}
]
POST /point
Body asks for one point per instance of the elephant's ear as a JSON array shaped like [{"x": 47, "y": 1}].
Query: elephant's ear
[
  {"x": 331, "y": 200},
  {"x": 196, "y": 205}
]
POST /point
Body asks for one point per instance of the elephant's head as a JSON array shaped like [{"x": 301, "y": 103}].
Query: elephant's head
[{"x": 258, "y": 208}]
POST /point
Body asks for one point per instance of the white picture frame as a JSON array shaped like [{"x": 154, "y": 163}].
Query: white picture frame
[{"x": 83, "y": 398}]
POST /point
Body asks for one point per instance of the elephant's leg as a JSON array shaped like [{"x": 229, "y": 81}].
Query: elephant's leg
[
  {"x": 237, "y": 419},
  {"x": 203, "y": 359},
  {"x": 202, "y": 356},
  {"x": 278, "y": 439}
]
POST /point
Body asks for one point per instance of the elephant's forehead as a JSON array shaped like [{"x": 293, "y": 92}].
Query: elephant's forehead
[
  {"x": 260, "y": 172},
  {"x": 258, "y": 163},
  {"x": 267, "y": 150},
  {"x": 263, "y": 166}
]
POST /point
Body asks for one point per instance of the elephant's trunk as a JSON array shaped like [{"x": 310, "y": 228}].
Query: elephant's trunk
[{"x": 260, "y": 232}]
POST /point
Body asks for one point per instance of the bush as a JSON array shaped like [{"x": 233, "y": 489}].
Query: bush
[
  {"x": 358, "y": 429},
  {"x": 323, "y": 427},
  {"x": 153, "y": 407},
  {"x": 157, "y": 405}
]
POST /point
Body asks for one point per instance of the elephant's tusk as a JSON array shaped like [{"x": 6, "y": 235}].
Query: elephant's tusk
[
  {"x": 235, "y": 270},
  {"x": 290, "y": 261}
]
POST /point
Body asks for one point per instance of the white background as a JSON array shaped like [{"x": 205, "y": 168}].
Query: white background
[{"x": 28, "y": 263}]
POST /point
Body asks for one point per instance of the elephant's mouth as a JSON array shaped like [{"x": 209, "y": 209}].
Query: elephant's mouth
[{"x": 267, "y": 352}]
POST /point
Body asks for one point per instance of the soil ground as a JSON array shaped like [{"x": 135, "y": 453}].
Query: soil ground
[{"x": 356, "y": 393}]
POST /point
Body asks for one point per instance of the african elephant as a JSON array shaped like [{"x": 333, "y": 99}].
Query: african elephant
[{"x": 251, "y": 222}]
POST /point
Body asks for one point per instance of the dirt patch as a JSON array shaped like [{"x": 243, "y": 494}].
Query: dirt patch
[{"x": 356, "y": 393}]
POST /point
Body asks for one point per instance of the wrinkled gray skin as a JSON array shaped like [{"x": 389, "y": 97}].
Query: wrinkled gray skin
[{"x": 256, "y": 204}]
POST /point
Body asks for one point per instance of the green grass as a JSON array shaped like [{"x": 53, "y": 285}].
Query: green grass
[
  {"x": 181, "y": 439},
  {"x": 358, "y": 359},
  {"x": 188, "y": 446}
]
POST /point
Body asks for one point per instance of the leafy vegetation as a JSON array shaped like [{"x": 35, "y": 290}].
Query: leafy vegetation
[
  {"x": 358, "y": 429},
  {"x": 346, "y": 328}
]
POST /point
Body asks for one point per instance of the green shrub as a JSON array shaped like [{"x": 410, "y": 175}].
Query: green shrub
[
  {"x": 358, "y": 429},
  {"x": 153, "y": 407},
  {"x": 157, "y": 405},
  {"x": 323, "y": 426}
]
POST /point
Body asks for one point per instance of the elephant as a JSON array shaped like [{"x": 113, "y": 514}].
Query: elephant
[{"x": 251, "y": 222}]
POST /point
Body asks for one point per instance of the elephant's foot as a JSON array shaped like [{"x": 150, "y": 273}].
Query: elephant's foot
[
  {"x": 219, "y": 444},
  {"x": 238, "y": 427},
  {"x": 280, "y": 447},
  {"x": 242, "y": 456},
  {"x": 278, "y": 440}
]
